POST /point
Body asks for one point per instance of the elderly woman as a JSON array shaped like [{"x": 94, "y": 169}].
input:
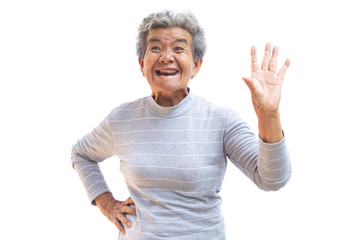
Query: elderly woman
[{"x": 173, "y": 145}]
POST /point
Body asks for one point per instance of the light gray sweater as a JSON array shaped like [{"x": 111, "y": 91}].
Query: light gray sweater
[{"x": 174, "y": 160}]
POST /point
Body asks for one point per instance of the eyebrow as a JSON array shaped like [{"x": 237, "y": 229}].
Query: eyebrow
[
  {"x": 154, "y": 40},
  {"x": 182, "y": 40}
]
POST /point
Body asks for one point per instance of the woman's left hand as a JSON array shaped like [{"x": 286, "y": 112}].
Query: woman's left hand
[{"x": 265, "y": 84}]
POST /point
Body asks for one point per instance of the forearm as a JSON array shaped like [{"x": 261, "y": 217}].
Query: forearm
[
  {"x": 273, "y": 165},
  {"x": 91, "y": 177},
  {"x": 270, "y": 130},
  {"x": 266, "y": 164}
]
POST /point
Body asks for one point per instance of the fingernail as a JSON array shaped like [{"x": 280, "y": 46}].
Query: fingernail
[
  {"x": 253, "y": 50},
  {"x": 268, "y": 46}
]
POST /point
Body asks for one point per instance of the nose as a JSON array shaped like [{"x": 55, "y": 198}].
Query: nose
[{"x": 167, "y": 57}]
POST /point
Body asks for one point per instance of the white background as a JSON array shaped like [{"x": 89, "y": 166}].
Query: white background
[{"x": 64, "y": 65}]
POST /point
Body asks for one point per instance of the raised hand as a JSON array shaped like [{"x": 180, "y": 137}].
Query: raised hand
[{"x": 265, "y": 84}]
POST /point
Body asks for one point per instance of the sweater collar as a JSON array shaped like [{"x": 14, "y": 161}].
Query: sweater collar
[{"x": 169, "y": 112}]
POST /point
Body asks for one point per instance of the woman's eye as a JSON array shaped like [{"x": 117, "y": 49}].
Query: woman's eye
[
  {"x": 155, "y": 48},
  {"x": 177, "y": 49}
]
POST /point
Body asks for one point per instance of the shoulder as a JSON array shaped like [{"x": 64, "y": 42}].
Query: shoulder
[
  {"x": 227, "y": 116},
  {"x": 206, "y": 107},
  {"x": 126, "y": 110}
]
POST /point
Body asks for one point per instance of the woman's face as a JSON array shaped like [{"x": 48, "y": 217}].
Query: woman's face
[{"x": 168, "y": 64}]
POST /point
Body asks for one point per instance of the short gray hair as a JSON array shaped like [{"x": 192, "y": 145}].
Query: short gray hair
[{"x": 168, "y": 19}]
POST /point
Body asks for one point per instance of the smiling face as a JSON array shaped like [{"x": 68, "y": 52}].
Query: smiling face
[{"x": 168, "y": 64}]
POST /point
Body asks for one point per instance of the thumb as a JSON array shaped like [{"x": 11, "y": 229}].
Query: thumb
[{"x": 249, "y": 82}]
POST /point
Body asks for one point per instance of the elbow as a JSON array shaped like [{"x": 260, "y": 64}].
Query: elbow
[
  {"x": 76, "y": 156},
  {"x": 273, "y": 185}
]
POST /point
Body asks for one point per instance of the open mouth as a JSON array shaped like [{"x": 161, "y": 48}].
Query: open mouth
[{"x": 166, "y": 72}]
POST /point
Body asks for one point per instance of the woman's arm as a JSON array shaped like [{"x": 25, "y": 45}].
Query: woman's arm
[
  {"x": 266, "y": 161},
  {"x": 266, "y": 164},
  {"x": 91, "y": 149},
  {"x": 94, "y": 147}
]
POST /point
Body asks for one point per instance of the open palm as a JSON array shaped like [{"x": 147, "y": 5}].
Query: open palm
[{"x": 265, "y": 84}]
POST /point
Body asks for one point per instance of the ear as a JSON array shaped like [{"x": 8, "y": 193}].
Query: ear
[
  {"x": 141, "y": 63},
  {"x": 197, "y": 66}
]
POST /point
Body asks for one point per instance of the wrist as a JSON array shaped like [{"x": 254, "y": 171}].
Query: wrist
[
  {"x": 263, "y": 114},
  {"x": 270, "y": 129},
  {"x": 102, "y": 200}
]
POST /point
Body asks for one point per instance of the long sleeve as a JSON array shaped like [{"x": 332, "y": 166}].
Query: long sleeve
[
  {"x": 94, "y": 147},
  {"x": 267, "y": 165}
]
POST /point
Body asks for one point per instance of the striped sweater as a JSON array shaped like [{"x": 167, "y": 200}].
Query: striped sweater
[{"x": 174, "y": 160}]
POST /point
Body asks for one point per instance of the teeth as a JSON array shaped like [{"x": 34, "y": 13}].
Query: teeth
[
  {"x": 169, "y": 71},
  {"x": 166, "y": 72}
]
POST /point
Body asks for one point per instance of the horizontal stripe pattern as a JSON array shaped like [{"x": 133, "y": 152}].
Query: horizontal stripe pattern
[{"x": 173, "y": 161}]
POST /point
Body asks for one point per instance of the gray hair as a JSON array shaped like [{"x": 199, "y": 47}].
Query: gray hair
[{"x": 168, "y": 19}]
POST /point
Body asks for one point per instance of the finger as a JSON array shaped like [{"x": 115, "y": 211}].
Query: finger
[
  {"x": 273, "y": 60},
  {"x": 254, "y": 62},
  {"x": 119, "y": 226},
  {"x": 127, "y": 209},
  {"x": 266, "y": 59},
  {"x": 249, "y": 83},
  {"x": 129, "y": 201},
  {"x": 283, "y": 69},
  {"x": 121, "y": 217}
]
